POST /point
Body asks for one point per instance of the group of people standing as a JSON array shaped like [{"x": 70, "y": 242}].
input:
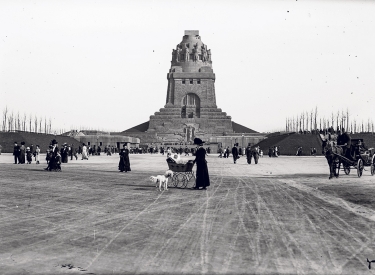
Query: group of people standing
[
  {"x": 23, "y": 154},
  {"x": 249, "y": 152}
]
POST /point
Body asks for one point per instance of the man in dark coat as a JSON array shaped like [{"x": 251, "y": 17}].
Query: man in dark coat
[
  {"x": 124, "y": 164},
  {"x": 227, "y": 152},
  {"x": 249, "y": 153},
  {"x": 16, "y": 152},
  {"x": 64, "y": 153},
  {"x": 345, "y": 141},
  {"x": 202, "y": 177},
  {"x": 235, "y": 153}
]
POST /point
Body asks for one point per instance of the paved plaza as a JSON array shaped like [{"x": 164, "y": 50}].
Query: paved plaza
[{"x": 281, "y": 216}]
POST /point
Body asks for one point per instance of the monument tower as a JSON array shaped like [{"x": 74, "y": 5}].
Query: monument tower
[{"x": 190, "y": 110}]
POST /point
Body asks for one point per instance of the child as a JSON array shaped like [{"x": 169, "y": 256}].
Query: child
[{"x": 29, "y": 155}]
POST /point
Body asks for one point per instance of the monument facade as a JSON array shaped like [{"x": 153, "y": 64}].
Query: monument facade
[{"x": 190, "y": 109}]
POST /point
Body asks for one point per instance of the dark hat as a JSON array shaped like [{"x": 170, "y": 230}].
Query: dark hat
[
  {"x": 124, "y": 145},
  {"x": 236, "y": 144},
  {"x": 83, "y": 144},
  {"x": 15, "y": 142},
  {"x": 22, "y": 143},
  {"x": 198, "y": 141},
  {"x": 54, "y": 141},
  {"x": 249, "y": 144}
]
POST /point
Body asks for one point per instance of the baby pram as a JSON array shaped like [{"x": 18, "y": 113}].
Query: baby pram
[{"x": 55, "y": 163}]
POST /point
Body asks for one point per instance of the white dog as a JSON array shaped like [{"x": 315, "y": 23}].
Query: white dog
[{"x": 162, "y": 180}]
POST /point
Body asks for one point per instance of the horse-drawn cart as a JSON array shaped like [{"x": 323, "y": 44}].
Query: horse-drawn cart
[
  {"x": 360, "y": 157},
  {"x": 182, "y": 173}
]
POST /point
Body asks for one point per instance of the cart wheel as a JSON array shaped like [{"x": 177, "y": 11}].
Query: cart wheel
[
  {"x": 175, "y": 180},
  {"x": 336, "y": 168},
  {"x": 359, "y": 168},
  {"x": 347, "y": 170},
  {"x": 180, "y": 179},
  {"x": 184, "y": 181},
  {"x": 373, "y": 165}
]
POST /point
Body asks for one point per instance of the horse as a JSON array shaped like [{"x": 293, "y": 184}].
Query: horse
[{"x": 332, "y": 153}]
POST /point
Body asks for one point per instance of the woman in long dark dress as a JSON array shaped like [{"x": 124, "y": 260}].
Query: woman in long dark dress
[
  {"x": 202, "y": 177},
  {"x": 124, "y": 164}
]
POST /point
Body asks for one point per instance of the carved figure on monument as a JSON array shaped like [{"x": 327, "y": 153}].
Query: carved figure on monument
[
  {"x": 174, "y": 55},
  {"x": 204, "y": 53},
  {"x": 177, "y": 52},
  {"x": 187, "y": 53},
  {"x": 196, "y": 55},
  {"x": 209, "y": 55}
]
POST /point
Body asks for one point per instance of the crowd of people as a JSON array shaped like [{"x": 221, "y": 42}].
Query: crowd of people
[{"x": 56, "y": 155}]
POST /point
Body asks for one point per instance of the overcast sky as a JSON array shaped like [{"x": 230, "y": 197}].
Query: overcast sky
[{"x": 103, "y": 64}]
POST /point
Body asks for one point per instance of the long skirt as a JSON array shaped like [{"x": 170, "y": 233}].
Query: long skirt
[
  {"x": 124, "y": 164},
  {"x": 84, "y": 155},
  {"x": 203, "y": 178}
]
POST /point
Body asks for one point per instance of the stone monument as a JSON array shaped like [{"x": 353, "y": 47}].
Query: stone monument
[{"x": 190, "y": 110}]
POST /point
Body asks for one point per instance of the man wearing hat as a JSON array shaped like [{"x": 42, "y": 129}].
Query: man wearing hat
[
  {"x": 345, "y": 141},
  {"x": 235, "y": 153},
  {"x": 202, "y": 177},
  {"x": 64, "y": 153}
]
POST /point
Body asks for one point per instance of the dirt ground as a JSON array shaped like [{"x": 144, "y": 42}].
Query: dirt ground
[{"x": 281, "y": 216}]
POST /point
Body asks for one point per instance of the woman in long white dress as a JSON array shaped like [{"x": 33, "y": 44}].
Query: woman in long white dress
[
  {"x": 37, "y": 152},
  {"x": 84, "y": 152}
]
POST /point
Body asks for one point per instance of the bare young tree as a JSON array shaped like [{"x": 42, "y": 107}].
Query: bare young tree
[
  {"x": 311, "y": 119},
  {"x": 332, "y": 120},
  {"x": 347, "y": 118},
  {"x": 24, "y": 122},
  {"x": 45, "y": 125},
  {"x": 40, "y": 124},
  {"x": 5, "y": 117},
  {"x": 315, "y": 117},
  {"x": 368, "y": 125},
  {"x": 10, "y": 122},
  {"x": 36, "y": 124},
  {"x": 30, "y": 120},
  {"x": 303, "y": 121},
  {"x": 18, "y": 121},
  {"x": 50, "y": 126},
  {"x": 338, "y": 120},
  {"x": 307, "y": 121},
  {"x": 342, "y": 119}
]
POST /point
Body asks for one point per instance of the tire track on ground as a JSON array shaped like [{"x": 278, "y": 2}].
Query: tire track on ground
[
  {"x": 109, "y": 243},
  {"x": 347, "y": 246}
]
